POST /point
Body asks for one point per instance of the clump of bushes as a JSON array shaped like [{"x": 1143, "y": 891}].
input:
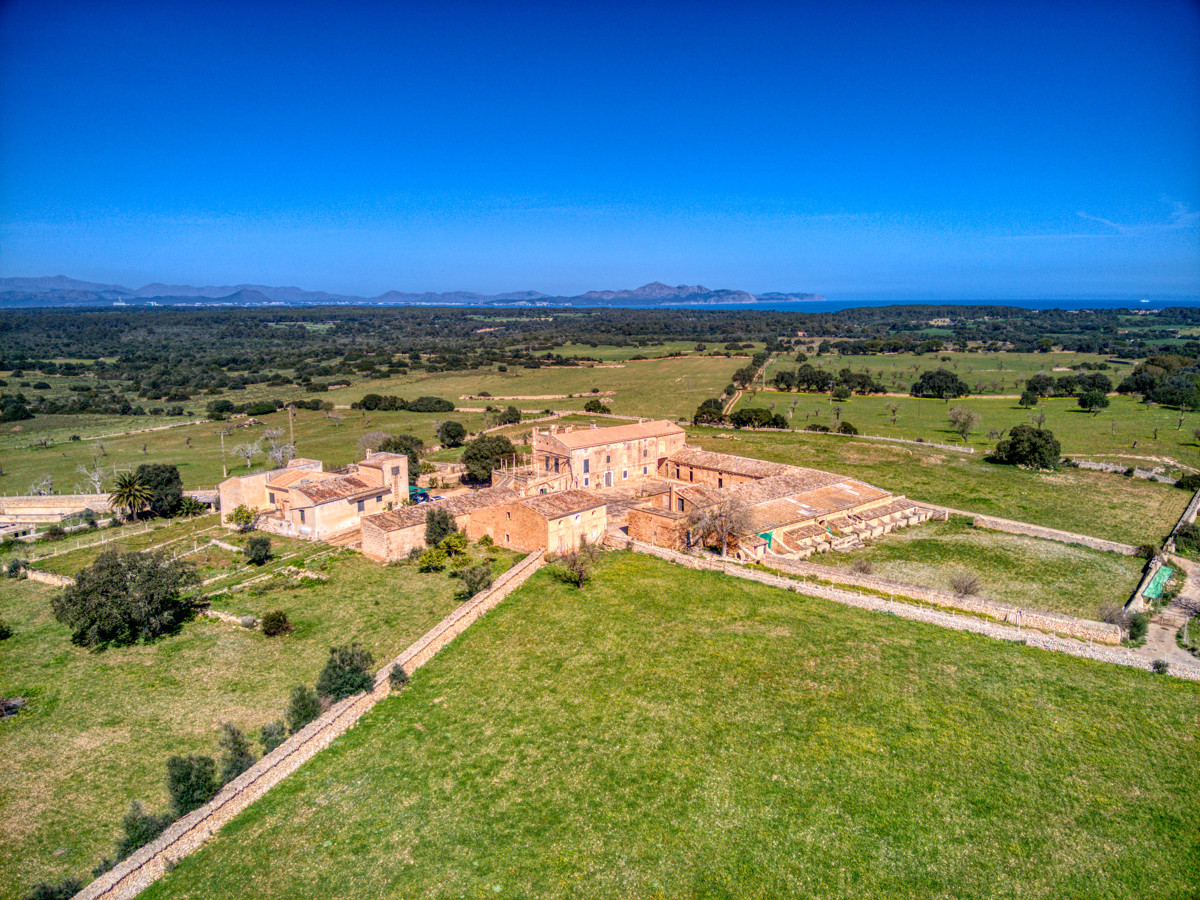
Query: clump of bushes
[
  {"x": 62, "y": 890},
  {"x": 347, "y": 672},
  {"x": 474, "y": 579},
  {"x": 1188, "y": 537},
  {"x": 272, "y": 735},
  {"x": 577, "y": 566},
  {"x": 1189, "y": 482},
  {"x": 1160, "y": 667},
  {"x": 432, "y": 560},
  {"x": 1146, "y": 551},
  {"x": 275, "y": 623},
  {"x": 5, "y": 630},
  {"x": 258, "y": 549},
  {"x": 965, "y": 583},
  {"x": 1139, "y": 625},
  {"x": 862, "y": 566},
  {"x": 397, "y": 678},
  {"x": 191, "y": 782},
  {"x": 303, "y": 706}
]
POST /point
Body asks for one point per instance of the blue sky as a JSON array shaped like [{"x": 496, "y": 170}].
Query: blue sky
[{"x": 875, "y": 150}]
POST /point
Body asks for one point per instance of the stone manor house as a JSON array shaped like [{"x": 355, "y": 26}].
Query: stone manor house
[{"x": 639, "y": 481}]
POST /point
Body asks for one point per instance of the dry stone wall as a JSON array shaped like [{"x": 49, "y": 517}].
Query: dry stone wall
[
  {"x": 133, "y": 875},
  {"x": 49, "y": 578},
  {"x": 1011, "y": 526}
]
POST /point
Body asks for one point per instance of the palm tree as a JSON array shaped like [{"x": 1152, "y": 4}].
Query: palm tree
[
  {"x": 192, "y": 507},
  {"x": 130, "y": 493}
]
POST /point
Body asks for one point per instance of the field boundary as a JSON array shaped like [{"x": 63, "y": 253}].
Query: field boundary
[
  {"x": 1019, "y": 632},
  {"x": 1012, "y": 526},
  {"x": 134, "y": 874}
]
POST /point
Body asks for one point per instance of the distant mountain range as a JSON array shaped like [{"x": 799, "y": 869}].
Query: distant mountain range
[{"x": 60, "y": 291}]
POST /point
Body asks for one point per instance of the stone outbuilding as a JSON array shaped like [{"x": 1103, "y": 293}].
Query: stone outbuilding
[{"x": 590, "y": 458}]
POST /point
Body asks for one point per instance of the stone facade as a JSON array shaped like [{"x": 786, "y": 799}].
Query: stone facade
[{"x": 592, "y": 458}]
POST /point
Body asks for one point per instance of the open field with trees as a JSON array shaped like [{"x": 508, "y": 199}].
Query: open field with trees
[
  {"x": 1108, "y": 436},
  {"x": 663, "y": 733},
  {"x": 1100, "y": 504},
  {"x": 1011, "y": 568},
  {"x": 99, "y": 726}
]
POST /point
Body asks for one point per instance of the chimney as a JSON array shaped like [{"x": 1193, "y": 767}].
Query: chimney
[{"x": 593, "y": 425}]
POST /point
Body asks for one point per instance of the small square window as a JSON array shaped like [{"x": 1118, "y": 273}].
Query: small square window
[
  {"x": 362, "y": 504},
  {"x": 585, "y": 482},
  {"x": 379, "y": 499},
  {"x": 271, "y": 498},
  {"x": 395, "y": 471}
]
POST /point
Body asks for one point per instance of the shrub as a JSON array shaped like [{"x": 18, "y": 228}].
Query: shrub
[
  {"x": 1146, "y": 551},
  {"x": 454, "y": 543},
  {"x": 862, "y": 566},
  {"x": 1029, "y": 446},
  {"x": 1188, "y": 537},
  {"x": 451, "y": 434},
  {"x": 236, "y": 756},
  {"x": 824, "y": 429},
  {"x": 54, "y": 532},
  {"x": 475, "y": 578},
  {"x": 14, "y": 568},
  {"x": 62, "y": 890},
  {"x": 140, "y": 828},
  {"x": 302, "y": 708},
  {"x": 243, "y": 517},
  {"x": 5, "y": 631},
  {"x": 593, "y": 406},
  {"x": 1160, "y": 667},
  {"x": 846, "y": 428},
  {"x": 486, "y": 541},
  {"x": 261, "y": 408},
  {"x": 258, "y": 549},
  {"x": 576, "y": 567},
  {"x": 432, "y": 560},
  {"x": 1139, "y": 624},
  {"x": 272, "y": 735},
  {"x": 397, "y": 678},
  {"x": 126, "y": 597},
  {"x": 965, "y": 583},
  {"x": 1112, "y": 613},
  {"x": 165, "y": 487},
  {"x": 484, "y": 453},
  {"x": 276, "y": 622},
  {"x": 191, "y": 782},
  {"x": 430, "y": 404},
  {"x": 439, "y": 525},
  {"x": 347, "y": 672},
  {"x": 1189, "y": 482}
]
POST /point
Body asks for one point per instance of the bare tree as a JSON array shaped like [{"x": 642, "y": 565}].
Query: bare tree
[
  {"x": 371, "y": 440},
  {"x": 728, "y": 516},
  {"x": 964, "y": 420},
  {"x": 1038, "y": 418},
  {"x": 274, "y": 437},
  {"x": 335, "y": 417},
  {"x": 43, "y": 486},
  {"x": 282, "y": 454},
  {"x": 93, "y": 475},
  {"x": 247, "y": 451},
  {"x": 893, "y": 408}
]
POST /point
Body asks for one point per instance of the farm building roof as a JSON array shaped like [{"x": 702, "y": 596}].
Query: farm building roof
[
  {"x": 408, "y": 516},
  {"x": 564, "y": 503},
  {"x": 724, "y": 462},
  {"x": 594, "y": 437},
  {"x": 340, "y": 487}
]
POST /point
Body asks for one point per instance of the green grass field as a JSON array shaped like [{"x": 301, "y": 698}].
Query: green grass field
[
  {"x": 666, "y": 733},
  {"x": 1024, "y": 571},
  {"x": 1163, "y": 436},
  {"x": 1130, "y": 510},
  {"x": 99, "y": 726},
  {"x": 984, "y": 373}
]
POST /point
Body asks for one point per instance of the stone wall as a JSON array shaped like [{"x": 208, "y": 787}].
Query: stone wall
[
  {"x": 133, "y": 875},
  {"x": 49, "y": 578},
  {"x": 50, "y": 507},
  {"x": 1188, "y": 517},
  {"x": 1148, "y": 474}
]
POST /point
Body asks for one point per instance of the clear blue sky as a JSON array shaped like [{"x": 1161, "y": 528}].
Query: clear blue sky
[{"x": 871, "y": 150}]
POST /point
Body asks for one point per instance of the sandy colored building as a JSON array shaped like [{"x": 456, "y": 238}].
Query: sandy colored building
[
  {"x": 556, "y": 522},
  {"x": 591, "y": 458},
  {"x": 302, "y": 500}
]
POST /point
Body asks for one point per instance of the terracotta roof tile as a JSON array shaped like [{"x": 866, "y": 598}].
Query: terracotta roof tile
[
  {"x": 724, "y": 462},
  {"x": 594, "y": 437},
  {"x": 563, "y": 503}
]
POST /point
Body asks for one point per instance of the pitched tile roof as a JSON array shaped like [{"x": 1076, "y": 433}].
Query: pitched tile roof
[
  {"x": 594, "y": 437},
  {"x": 408, "y": 516},
  {"x": 563, "y": 503},
  {"x": 287, "y": 477},
  {"x": 340, "y": 487},
  {"x": 724, "y": 462}
]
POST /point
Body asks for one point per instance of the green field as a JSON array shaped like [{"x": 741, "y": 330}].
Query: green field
[
  {"x": 99, "y": 726},
  {"x": 984, "y": 373},
  {"x": 1130, "y": 510},
  {"x": 1163, "y": 436},
  {"x": 1023, "y": 571},
  {"x": 666, "y": 733}
]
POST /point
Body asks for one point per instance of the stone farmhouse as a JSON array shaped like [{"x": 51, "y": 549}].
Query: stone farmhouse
[
  {"x": 302, "y": 500},
  {"x": 638, "y": 481}
]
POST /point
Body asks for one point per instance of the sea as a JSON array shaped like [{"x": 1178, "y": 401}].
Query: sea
[{"x": 812, "y": 306}]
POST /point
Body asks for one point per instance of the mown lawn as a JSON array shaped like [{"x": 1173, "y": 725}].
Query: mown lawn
[
  {"x": 1099, "y": 504},
  {"x": 669, "y": 733},
  {"x": 99, "y": 726},
  {"x": 1024, "y": 571}
]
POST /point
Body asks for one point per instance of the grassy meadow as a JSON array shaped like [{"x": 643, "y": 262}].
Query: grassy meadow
[
  {"x": 99, "y": 726},
  {"x": 984, "y": 373},
  {"x": 1099, "y": 504},
  {"x": 665, "y": 733},
  {"x": 1012, "y": 568},
  {"x": 1163, "y": 436}
]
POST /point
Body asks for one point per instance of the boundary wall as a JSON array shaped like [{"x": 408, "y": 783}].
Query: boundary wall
[
  {"x": 1011, "y": 526},
  {"x": 946, "y": 619},
  {"x": 1188, "y": 517},
  {"x": 49, "y": 578},
  {"x": 134, "y": 874}
]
